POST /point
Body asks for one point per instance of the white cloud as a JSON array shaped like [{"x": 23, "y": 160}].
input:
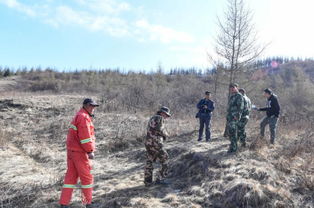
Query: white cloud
[
  {"x": 105, "y": 6},
  {"x": 161, "y": 33},
  {"x": 101, "y": 15},
  {"x": 66, "y": 16},
  {"x": 14, "y": 4},
  {"x": 197, "y": 53}
]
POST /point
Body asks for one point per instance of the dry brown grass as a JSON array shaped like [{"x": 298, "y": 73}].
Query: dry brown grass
[
  {"x": 306, "y": 181},
  {"x": 3, "y": 139},
  {"x": 201, "y": 174},
  {"x": 21, "y": 196},
  {"x": 138, "y": 92},
  {"x": 304, "y": 145}
]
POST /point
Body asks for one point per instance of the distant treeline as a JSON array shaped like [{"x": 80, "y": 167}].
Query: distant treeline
[
  {"x": 259, "y": 64},
  {"x": 180, "y": 89}
]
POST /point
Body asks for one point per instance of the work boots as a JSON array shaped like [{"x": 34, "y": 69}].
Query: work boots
[
  {"x": 93, "y": 205},
  {"x": 148, "y": 181},
  {"x": 87, "y": 206},
  {"x": 162, "y": 182}
]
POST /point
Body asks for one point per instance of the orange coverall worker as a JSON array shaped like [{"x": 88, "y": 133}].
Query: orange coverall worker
[{"x": 80, "y": 142}]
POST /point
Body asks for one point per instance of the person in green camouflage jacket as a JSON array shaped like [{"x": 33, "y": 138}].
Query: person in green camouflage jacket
[
  {"x": 234, "y": 113},
  {"x": 244, "y": 118},
  {"x": 156, "y": 134}
]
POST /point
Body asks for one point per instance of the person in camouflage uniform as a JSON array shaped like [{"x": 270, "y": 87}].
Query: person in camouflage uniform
[
  {"x": 234, "y": 113},
  {"x": 244, "y": 118},
  {"x": 156, "y": 134}
]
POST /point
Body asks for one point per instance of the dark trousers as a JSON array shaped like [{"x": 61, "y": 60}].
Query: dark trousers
[
  {"x": 272, "y": 122},
  {"x": 204, "y": 122}
]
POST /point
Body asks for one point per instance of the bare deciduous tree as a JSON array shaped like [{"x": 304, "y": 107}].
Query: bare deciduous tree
[{"x": 236, "y": 43}]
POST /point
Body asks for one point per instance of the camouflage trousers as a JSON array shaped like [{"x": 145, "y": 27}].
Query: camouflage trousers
[
  {"x": 236, "y": 132},
  {"x": 154, "y": 152},
  {"x": 232, "y": 126},
  {"x": 241, "y": 129}
]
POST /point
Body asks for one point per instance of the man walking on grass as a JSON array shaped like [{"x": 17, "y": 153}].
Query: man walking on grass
[
  {"x": 244, "y": 118},
  {"x": 234, "y": 114},
  {"x": 156, "y": 135},
  {"x": 272, "y": 114},
  {"x": 80, "y": 150},
  {"x": 205, "y": 106}
]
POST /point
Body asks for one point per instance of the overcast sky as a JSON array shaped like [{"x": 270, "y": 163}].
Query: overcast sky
[{"x": 139, "y": 34}]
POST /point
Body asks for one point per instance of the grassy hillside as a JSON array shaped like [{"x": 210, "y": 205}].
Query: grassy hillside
[
  {"x": 132, "y": 92},
  {"x": 36, "y": 108}
]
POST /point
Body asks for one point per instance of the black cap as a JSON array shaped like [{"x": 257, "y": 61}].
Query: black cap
[
  {"x": 207, "y": 93},
  {"x": 233, "y": 85},
  {"x": 268, "y": 91},
  {"x": 90, "y": 101}
]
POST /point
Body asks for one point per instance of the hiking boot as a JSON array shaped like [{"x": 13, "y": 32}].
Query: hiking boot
[
  {"x": 162, "y": 182},
  {"x": 148, "y": 181},
  {"x": 199, "y": 140},
  {"x": 92, "y": 205},
  {"x": 208, "y": 140},
  {"x": 230, "y": 151},
  {"x": 148, "y": 184},
  {"x": 64, "y": 206},
  {"x": 243, "y": 145}
]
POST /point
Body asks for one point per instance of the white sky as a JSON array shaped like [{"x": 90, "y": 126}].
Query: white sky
[
  {"x": 288, "y": 25},
  {"x": 138, "y": 34}
]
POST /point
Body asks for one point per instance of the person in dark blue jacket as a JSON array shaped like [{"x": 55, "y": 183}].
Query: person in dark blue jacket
[{"x": 205, "y": 106}]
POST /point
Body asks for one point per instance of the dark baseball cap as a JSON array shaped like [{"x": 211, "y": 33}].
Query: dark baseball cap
[
  {"x": 268, "y": 91},
  {"x": 90, "y": 101}
]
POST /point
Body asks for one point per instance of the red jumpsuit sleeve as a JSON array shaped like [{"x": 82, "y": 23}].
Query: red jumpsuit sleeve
[{"x": 86, "y": 134}]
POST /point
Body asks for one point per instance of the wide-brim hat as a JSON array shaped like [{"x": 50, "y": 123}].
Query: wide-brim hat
[{"x": 165, "y": 110}]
